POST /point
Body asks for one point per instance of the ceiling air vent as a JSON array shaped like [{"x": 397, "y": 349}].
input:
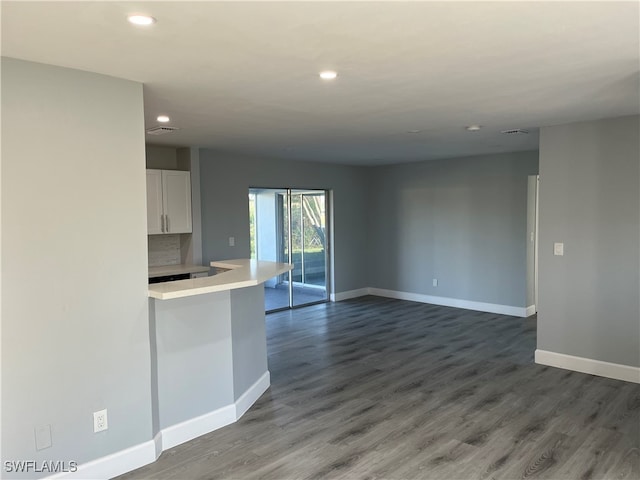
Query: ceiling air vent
[
  {"x": 161, "y": 130},
  {"x": 515, "y": 131}
]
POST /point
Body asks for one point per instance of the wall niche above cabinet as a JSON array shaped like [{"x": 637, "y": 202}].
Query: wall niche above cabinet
[{"x": 168, "y": 202}]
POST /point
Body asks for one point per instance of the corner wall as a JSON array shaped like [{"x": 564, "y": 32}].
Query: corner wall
[
  {"x": 590, "y": 201},
  {"x": 461, "y": 221},
  {"x": 75, "y": 334}
]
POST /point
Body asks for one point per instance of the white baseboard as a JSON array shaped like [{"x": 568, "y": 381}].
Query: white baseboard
[
  {"x": 148, "y": 452},
  {"x": 157, "y": 441},
  {"x": 115, "y": 464},
  {"x": 253, "y": 393},
  {"x": 588, "y": 365},
  {"x": 444, "y": 301},
  {"x": 340, "y": 296},
  {"x": 451, "y": 302},
  {"x": 193, "y": 428}
]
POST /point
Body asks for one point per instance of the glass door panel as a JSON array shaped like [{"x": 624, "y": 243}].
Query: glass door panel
[
  {"x": 268, "y": 221},
  {"x": 291, "y": 226},
  {"x": 309, "y": 247},
  {"x": 296, "y": 238}
]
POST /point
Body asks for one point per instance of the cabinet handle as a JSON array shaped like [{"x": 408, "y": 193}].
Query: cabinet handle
[
  {"x": 162, "y": 223},
  {"x": 166, "y": 222}
]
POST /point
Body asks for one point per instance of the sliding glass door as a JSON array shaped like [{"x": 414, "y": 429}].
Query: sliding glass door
[{"x": 291, "y": 226}]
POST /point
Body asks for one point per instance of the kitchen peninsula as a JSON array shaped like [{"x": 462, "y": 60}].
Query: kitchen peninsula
[{"x": 208, "y": 349}]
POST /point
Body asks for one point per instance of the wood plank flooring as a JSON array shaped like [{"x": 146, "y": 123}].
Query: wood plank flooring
[{"x": 375, "y": 388}]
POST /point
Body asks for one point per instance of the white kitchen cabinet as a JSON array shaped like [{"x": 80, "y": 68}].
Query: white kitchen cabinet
[{"x": 168, "y": 202}]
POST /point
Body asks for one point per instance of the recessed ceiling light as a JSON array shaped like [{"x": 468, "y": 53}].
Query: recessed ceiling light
[
  {"x": 414, "y": 131},
  {"x": 328, "y": 75},
  {"x": 163, "y": 118},
  {"x": 141, "y": 19},
  {"x": 474, "y": 128}
]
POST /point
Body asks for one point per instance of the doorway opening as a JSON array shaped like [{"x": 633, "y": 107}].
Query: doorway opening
[
  {"x": 533, "y": 187},
  {"x": 291, "y": 226}
]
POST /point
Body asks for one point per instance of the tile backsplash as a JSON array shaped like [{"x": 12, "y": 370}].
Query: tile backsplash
[{"x": 164, "y": 250}]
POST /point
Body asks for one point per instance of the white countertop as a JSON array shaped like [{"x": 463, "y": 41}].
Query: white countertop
[
  {"x": 166, "y": 270},
  {"x": 242, "y": 273}
]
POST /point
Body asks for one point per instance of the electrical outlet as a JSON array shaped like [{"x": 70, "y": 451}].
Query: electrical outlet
[
  {"x": 435, "y": 282},
  {"x": 100, "y": 421},
  {"x": 232, "y": 241},
  {"x": 43, "y": 437}
]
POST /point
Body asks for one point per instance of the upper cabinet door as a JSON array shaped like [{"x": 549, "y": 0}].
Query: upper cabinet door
[
  {"x": 155, "y": 220},
  {"x": 176, "y": 199}
]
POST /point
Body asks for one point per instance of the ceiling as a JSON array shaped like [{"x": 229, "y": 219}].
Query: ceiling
[{"x": 242, "y": 78}]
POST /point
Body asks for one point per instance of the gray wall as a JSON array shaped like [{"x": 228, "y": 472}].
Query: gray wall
[
  {"x": 193, "y": 352},
  {"x": 462, "y": 221},
  {"x": 224, "y": 188},
  {"x": 589, "y": 199},
  {"x": 161, "y": 158},
  {"x": 75, "y": 335},
  {"x": 248, "y": 334}
]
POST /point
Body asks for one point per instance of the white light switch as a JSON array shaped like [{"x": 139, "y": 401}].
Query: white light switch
[
  {"x": 232, "y": 241},
  {"x": 558, "y": 249}
]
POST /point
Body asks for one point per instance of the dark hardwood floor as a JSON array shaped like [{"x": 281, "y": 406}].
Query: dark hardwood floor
[{"x": 374, "y": 388}]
